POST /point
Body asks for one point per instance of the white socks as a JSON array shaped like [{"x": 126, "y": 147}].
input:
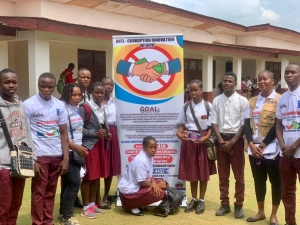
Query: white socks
[
  {"x": 88, "y": 206},
  {"x": 136, "y": 210}
]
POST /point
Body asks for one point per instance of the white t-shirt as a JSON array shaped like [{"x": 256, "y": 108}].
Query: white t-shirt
[
  {"x": 288, "y": 110},
  {"x": 77, "y": 124},
  {"x": 248, "y": 83},
  {"x": 110, "y": 111},
  {"x": 200, "y": 113},
  {"x": 140, "y": 169},
  {"x": 98, "y": 111},
  {"x": 256, "y": 113},
  {"x": 44, "y": 118}
]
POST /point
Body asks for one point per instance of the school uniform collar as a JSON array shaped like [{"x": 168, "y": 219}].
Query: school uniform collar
[
  {"x": 271, "y": 96},
  {"x": 230, "y": 97},
  {"x": 148, "y": 157},
  {"x": 193, "y": 103},
  {"x": 94, "y": 105},
  {"x": 295, "y": 92}
]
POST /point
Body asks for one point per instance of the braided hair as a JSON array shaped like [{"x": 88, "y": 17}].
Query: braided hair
[
  {"x": 97, "y": 84},
  {"x": 147, "y": 140},
  {"x": 67, "y": 92},
  {"x": 198, "y": 82}
]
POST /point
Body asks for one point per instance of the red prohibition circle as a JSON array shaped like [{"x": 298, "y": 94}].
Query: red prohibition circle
[{"x": 165, "y": 85}]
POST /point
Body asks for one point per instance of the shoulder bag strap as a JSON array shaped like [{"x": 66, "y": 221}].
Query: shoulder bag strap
[
  {"x": 5, "y": 131},
  {"x": 207, "y": 108},
  {"x": 195, "y": 119},
  {"x": 70, "y": 124}
]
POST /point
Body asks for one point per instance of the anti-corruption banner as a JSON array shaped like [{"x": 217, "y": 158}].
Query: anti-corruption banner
[{"x": 148, "y": 74}]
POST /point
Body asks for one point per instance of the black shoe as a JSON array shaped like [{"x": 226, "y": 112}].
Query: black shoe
[
  {"x": 238, "y": 212},
  {"x": 200, "y": 207},
  {"x": 78, "y": 203},
  {"x": 191, "y": 206},
  {"x": 224, "y": 209}
]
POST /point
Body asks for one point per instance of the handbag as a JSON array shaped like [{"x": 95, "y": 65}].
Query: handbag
[
  {"x": 211, "y": 142},
  {"x": 80, "y": 160},
  {"x": 21, "y": 155}
]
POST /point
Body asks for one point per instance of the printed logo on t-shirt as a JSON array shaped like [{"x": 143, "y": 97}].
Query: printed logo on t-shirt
[
  {"x": 283, "y": 106},
  {"x": 38, "y": 115},
  {"x": 299, "y": 104},
  {"x": 47, "y": 129},
  {"x": 203, "y": 117},
  {"x": 57, "y": 112},
  {"x": 15, "y": 125}
]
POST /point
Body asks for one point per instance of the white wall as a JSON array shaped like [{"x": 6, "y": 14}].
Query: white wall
[
  {"x": 7, "y": 8},
  {"x": 18, "y": 61}
]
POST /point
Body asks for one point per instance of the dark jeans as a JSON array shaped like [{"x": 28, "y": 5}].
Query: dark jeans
[
  {"x": 70, "y": 187},
  {"x": 268, "y": 167}
]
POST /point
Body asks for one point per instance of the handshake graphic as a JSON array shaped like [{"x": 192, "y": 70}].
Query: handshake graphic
[{"x": 148, "y": 71}]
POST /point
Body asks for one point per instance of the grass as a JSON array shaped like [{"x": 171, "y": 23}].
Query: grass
[{"x": 117, "y": 216}]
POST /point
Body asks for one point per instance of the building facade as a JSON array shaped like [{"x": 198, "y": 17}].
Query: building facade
[{"x": 39, "y": 36}]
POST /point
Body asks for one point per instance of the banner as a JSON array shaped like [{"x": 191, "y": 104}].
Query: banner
[{"x": 148, "y": 74}]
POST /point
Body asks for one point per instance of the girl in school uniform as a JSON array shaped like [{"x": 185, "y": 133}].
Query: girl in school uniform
[
  {"x": 263, "y": 151},
  {"x": 113, "y": 154},
  {"x": 194, "y": 165},
  {"x": 95, "y": 138},
  {"x": 137, "y": 186}
]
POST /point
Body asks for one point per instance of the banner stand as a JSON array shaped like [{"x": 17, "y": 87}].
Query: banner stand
[{"x": 149, "y": 89}]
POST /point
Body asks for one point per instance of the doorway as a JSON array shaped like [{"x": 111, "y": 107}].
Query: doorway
[{"x": 94, "y": 61}]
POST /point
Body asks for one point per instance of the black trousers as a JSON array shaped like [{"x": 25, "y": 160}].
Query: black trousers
[
  {"x": 267, "y": 167},
  {"x": 70, "y": 187}
]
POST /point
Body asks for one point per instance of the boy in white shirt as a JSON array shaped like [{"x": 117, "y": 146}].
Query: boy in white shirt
[
  {"x": 47, "y": 118},
  {"x": 288, "y": 133}
]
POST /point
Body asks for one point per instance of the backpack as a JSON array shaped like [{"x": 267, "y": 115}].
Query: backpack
[
  {"x": 170, "y": 206},
  {"x": 87, "y": 113},
  {"x": 62, "y": 82}
]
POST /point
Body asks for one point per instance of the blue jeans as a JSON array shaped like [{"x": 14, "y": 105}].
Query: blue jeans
[{"x": 70, "y": 187}]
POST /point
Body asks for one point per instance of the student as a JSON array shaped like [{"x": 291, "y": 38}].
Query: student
[
  {"x": 68, "y": 73},
  {"x": 248, "y": 87},
  {"x": 137, "y": 186},
  {"x": 113, "y": 154},
  {"x": 47, "y": 118},
  {"x": 84, "y": 81},
  {"x": 13, "y": 111},
  {"x": 194, "y": 165},
  {"x": 228, "y": 126},
  {"x": 71, "y": 97},
  {"x": 263, "y": 150},
  {"x": 94, "y": 139},
  {"x": 287, "y": 130}
]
